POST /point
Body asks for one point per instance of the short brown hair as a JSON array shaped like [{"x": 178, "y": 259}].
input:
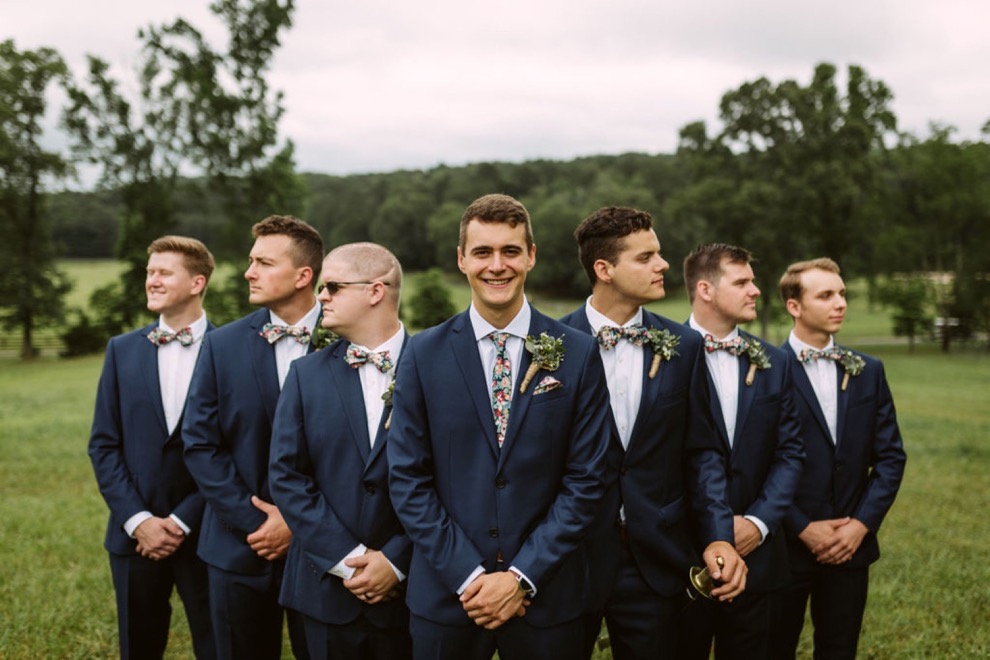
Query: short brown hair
[
  {"x": 196, "y": 257},
  {"x": 307, "y": 245},
  {"x": 705, "y": 263},
  {"x": 496, "y": 208},
  {"x": 599, "y": 236},
  {"x": 790, "y": 281}
]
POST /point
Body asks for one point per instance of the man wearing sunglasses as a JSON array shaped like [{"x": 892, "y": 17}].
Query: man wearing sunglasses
[
  {"x": 227, "y": 431},
  {"x": 329, "y": 473}
]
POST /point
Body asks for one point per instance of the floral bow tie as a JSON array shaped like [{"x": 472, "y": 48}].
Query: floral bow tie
[
  {"x": 160, "y": 337},
  {"x": 273, "y": 333},
  {"x": 808, "y": 355},
  {"x": 735, "y": 346},
  {"x": 357, "y": 356},
  {"x": 608, "y": 335}
]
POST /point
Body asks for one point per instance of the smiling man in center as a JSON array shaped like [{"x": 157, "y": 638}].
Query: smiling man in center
[{"x": 497, "y": 479}]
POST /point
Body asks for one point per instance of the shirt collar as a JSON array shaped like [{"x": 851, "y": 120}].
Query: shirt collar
[
  {"x": 393, "y": 345},
  {"x": 197, "y": 327},
  {"x": 799, "y": 345},
  {"x": 309, "y": 321},
  {"x": 596, "y": 319},
  {"x": 693, "y": 323},
  {"x": 517, "y": 327}
]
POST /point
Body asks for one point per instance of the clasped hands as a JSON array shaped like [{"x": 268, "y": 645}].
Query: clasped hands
[
  {"x": 157, "y": 538},
  {"x": 494, "y": 598},
  {"x": 833, "y": 541},
  {"x": 374, "y": 580}
]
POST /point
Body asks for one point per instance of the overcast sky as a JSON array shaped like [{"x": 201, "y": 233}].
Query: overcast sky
[{"x": 377, "y": 85}]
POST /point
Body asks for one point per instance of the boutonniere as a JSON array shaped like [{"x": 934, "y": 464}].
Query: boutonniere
[
  {"x": 662, "y": 343},
  {"x": 548, "y": 353},
  {"x": 387, "y": 398},
  {"x": 852, "y": 364},
  {"x": 320, "y": 337},
  {"x": 758, "y": 359}
]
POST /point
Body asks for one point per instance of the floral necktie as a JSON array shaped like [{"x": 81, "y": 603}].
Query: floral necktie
[
  {"x": 735, "y": 346},
  {"x": 501, "y": 384},
  {"x": 609, "y": 335},
  {"x": 160, "y": 337},
  {"x": 273, "y": 332},
  {"x": 808, "y": 355},
  {"x": 358, "y": 356}
]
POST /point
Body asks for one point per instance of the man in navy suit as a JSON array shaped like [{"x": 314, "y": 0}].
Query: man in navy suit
[
  {"x": 855, "y": 463},
  {"x": 227, "y": 433},
  {"x": 665, "y": 460},
  {"x": 752, "y": 403},
  {"x": 329, "y": 472},
  {"x": 496, "y": 458},
  {"x": 136, "y": 449}
]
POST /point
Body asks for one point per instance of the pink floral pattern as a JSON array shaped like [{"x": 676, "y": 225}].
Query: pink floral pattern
[
  {"x": 358, "y": 356},
  {"x": 501, "y": 385},
  {"x": 160, "y": 337},
  {"x": 273, "y": 333}
]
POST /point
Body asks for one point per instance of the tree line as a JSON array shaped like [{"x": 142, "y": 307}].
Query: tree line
[{"x": 790, "y": 171}]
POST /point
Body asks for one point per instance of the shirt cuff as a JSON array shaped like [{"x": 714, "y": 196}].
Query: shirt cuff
[
  {"x": 525, "y": 581},
  {"x": 760, "y": 526},
  {"x": 342, "y": 570},
  {"x": 399, "y": 574},
  {"x": 471, "y": 578},
  {"x": 135, "y": 521},
  {"x": 178, "y": 521}
]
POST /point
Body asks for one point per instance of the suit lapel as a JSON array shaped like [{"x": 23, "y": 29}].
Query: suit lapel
[
  {"x": 465, "y": 350},
  {"x": 651, "y": 386},
  {"x": 149, "y": 367},
  {"x": 842, "y": 402},
  {"x": 716, "y": 408},
  {"x": 806, "y": 391},
  {"x": 347, "y": 384},
  {"x": 521, "y": 400},
  {"x": 263, "y": 359}
]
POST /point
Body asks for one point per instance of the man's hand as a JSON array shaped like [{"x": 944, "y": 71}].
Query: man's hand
[
  {"x": 748, "y": 535},
  {"x": 271, "y": 540},
  {"x": 842, "y": 544},
  {"x": 158, "y": 538},
  {"x": 494, "y": 598},
  {"x": 819, "y": 532},
  {"x": 374, "y": 579},
  {"x": 732, "y": 573}
]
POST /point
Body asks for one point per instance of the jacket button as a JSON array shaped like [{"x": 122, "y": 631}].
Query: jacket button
[
  {"x": 493, "y": 532},
  {"x": 369, "y": 488},
  {"x": 500, "y": 483}
]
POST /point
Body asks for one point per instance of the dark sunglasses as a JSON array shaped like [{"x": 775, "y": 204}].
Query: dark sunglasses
[{"x": 333, "y": 287}]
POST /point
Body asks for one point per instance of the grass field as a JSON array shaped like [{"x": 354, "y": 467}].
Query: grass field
[{"x": 928, "y": 595}]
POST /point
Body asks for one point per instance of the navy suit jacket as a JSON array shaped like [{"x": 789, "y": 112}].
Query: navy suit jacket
[
  {"x": 138, "y": 464},
  {"x": 765, "y": 460},
  {"x": 331, "y": 486},
  {"x": 465, "y": 502},
  {"x": 674, "y": 463},
  {"x": 227, "y": 432},
  {"x": 860, "y": 473}
]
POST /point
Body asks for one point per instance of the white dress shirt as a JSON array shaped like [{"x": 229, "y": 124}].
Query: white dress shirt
[
  {"x": 373, "y": 385},
  {"x": 175, "y": 367},
  {"x": 724, "y": 369},
  {"x": 287, "y": 348},
  {"x": 824, "y": 377},
  {"x": 623, "y": 372}
]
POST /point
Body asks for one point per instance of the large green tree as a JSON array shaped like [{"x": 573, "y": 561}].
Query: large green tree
[
  {"x": 198, "y": 112},
  {"x": 31, "y": 287}
]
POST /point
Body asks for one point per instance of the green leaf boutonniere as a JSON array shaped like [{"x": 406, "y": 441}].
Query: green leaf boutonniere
[
  {"x": 852, "y": 364},
  {"x": 662, "y": 343},
  {"x": 387, "y": 398},
  {"x": 548, "y": 353},
  {"x": 321, "y": 337},
  {"x": 758, "y": 359}
]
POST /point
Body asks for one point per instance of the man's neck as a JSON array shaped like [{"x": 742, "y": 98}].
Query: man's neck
[
  {"x": 613, "y": 307},
  {"x": 177, "y": 320},
  {"x": 816, "y": 339},
  {"x": 498, "y": 318},
  {"x": 292, "y": 311},
  {"x": 713, "y": 322},
  {"x": 375, "y": 334}
]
